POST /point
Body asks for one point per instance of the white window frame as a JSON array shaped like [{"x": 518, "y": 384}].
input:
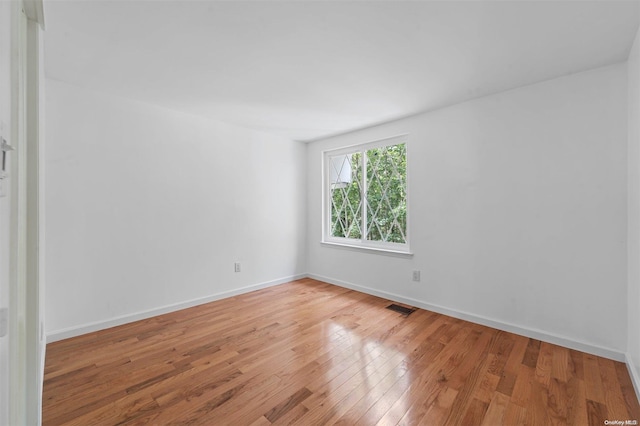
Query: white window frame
[{"x": 362, "y": 243}]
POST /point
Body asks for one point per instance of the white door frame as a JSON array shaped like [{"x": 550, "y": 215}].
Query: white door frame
[{"x": 26, "y": 332}]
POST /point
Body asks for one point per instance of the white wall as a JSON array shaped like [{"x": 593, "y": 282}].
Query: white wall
[
  {"x": 517, "y": 210},
  {"x": 5, "y": 118},
  {"x": 148, "y": 208},
  {"x": 633, "y": 74}
]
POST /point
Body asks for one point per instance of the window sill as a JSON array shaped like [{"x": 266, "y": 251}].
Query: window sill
[{"x": 371, "y": 250}]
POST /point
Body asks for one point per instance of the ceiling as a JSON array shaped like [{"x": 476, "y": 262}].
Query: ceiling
[{"x": 307, "y": 69}]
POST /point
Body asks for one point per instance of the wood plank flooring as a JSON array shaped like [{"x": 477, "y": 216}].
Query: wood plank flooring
[{"x": 310, "y": 353}]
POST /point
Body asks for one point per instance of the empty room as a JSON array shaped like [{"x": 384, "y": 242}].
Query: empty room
[{"x": 319, "y": 212}]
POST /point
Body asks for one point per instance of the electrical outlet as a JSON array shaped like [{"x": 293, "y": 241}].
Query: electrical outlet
[
  {"x": 236, "y": 267},
  {"x": 416, "y": 276}
]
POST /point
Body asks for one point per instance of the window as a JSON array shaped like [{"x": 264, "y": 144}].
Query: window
[{"x": 366, "y": 195}]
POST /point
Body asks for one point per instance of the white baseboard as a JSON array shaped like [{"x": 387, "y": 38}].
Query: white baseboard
[
  {"x": 478, "y": 319},
  {"x": 125, "y": 319},
  {"x": 634, "y": 373},
  {"x": 511, "y": 328},
  {"x": 524, "y": 331}
]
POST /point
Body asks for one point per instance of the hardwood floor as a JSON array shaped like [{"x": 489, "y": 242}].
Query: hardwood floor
[{"x": 310, "y": 353}]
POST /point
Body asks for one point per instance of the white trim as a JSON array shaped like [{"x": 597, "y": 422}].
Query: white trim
[
  {"x": 36, "y": 212},
  {"x": 125, "y": 319},
  {"x": 365, "y": 249},
  {"x": 368, "y": 144},
  {"x": 25, "y": 335},
  {"x": 17, "y": 382},
  {"x": 478, "y": 319},
  {"x": 634, "y": 374}
]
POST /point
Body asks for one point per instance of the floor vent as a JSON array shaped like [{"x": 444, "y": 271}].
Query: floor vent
[{"x": 401, "y": 309}]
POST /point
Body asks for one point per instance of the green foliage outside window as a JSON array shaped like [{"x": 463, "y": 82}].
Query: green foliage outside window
[{"x": 385, "y": 200}]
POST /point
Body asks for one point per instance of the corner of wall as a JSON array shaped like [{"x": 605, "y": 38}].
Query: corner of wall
[
  {"x": 633, "y": 214},
  {"x": 634, "y": 373},
  {"x": 307, "y": 220}
]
